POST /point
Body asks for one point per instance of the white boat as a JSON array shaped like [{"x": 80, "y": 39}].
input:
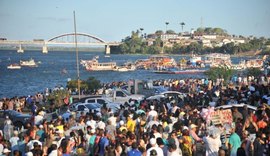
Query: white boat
[
  {"x": 20, "y": 50},
  {"x": 29, "y": 63},
  {"x": 216, "y": 58},
  {"x": 124, "y": 68},
  {"x": 94, "y": 65},
  {"x": 14, "y": 66}
]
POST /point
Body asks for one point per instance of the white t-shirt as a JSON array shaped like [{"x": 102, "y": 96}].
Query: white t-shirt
[
  {"x": 14, "y": 141},
  {"x": 212, "y": 145},
  {"x": 158, "y": 149}
]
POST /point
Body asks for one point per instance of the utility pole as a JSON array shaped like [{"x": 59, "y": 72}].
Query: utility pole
[{"x": 77, "y": 57}]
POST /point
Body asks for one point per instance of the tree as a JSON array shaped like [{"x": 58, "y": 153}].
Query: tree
[
  {"x": 167, "y": 23},
  {"x": 256, "y": 72},
  {"x": 170, "y": 32},
  {"x": 57, "y": 97},
  {"x": 93, "y": 84},
  {"x": 159, "y": 33},
  {"x": 220, "y": 72}
]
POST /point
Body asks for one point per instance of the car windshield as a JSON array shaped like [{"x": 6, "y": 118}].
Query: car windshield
[{"x": 126, "y": 92}]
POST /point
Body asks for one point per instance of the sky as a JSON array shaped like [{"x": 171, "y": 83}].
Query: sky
[{"x": 113, "y": 20}]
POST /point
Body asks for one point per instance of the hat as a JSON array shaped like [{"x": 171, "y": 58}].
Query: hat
[
  {"x": 6, "y": 150},
  {"x": 40, "y": 126},
  {"x": 54, "y": 142},
  {"x": 182, "y": 113},
  {"x": 92, "y": 130},
  {"x": 88, "y": 123},
  {"x": 152, "y": 107},
  {"x": 193, "y": 126},
  {"x": 121, "y": 122},
  {"x": 153, "y": 141},
  {"x": 185, "y": 127}
]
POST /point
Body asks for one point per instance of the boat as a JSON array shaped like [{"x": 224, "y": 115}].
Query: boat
[
  {"x": 156, "y": 61},
  {"x": 181, "y": 71},
  {"x": 124, "y": 68},
  {"x": 215, "y": 59},
  {"x": 14, "y": 66},
  {"x": 94, "y": 65},
  {"x": 29, "y": 63},
  {"x": 20, "y": 50}
]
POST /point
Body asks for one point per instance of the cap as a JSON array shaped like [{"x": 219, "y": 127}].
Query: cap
[
  {"x": 92, "y": 130},
  {"x": 88, "y": 123},
  {"x": 152, "y": 107},
  {"x": 40, "y": 126},
  {"x": 153, "y": 141},
  {"x": 6, "y": 150},
  {"x": 185, "y": 127},
  {"x": 121, "y": 122},
  {"x": 193, "y": 126}
]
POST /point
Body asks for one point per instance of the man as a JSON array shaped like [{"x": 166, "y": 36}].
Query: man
[
  {"x": 212, "y": 142},
  {"x": 234, "y": 142},
  {"x": 154, "y": 146},
  {"x": 134, "y": 151}
]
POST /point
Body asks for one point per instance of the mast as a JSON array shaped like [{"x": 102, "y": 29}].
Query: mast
[{"x": 77, "y": 57}]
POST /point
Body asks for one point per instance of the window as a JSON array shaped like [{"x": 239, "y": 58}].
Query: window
[
  {"x": 81, "y": 108},
  {"x": 121, "y": 94},
  {"x": 91, "y": 101},
  {"x": 101, "y": 101}
]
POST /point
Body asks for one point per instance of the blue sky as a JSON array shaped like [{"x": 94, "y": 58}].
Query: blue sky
[{"x": 113, "y": 20}]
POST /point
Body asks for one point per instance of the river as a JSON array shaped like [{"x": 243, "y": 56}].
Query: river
[{"x": 29, "y": 81}]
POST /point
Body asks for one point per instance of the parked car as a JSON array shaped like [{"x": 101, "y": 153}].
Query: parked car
[
  {"x": 18, "y": 119},
  {"x": 167, "y": 94},
  {"x": 239, "y": 106}
]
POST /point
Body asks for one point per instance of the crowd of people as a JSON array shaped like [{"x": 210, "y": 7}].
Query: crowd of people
[{"x": 167, "y": 127}]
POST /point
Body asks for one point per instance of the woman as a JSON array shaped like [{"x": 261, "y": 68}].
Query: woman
[{"x": 251, "y": 127}]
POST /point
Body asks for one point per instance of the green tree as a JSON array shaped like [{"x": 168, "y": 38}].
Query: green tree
[
  {"x": 220, "y": 72},
  {"x": 57, "y": 97},
  {"x": 159, "y": 33},
  {"x": 93, "y": 84},
  {"x": 170, "y": 32},
  {"x": 256, "y": 72}
]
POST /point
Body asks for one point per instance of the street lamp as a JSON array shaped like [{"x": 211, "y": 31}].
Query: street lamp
[
  {"x": 141, "y": 29},
  {"x": 167, "y": 23},
  {"x": 182, "y": 25}
]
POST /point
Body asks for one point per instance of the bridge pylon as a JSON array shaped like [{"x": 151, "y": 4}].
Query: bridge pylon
[
  {"x": 107, "y": 49},
  {"x": 44, "y": 49}
]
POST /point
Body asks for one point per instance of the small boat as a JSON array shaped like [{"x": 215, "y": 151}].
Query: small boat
[
  {"x": 29, "y": 63},
  {"x": 14, "y": 66},
  {"x": 124, "y": 68},
  {"x": 94, "y": 65}
]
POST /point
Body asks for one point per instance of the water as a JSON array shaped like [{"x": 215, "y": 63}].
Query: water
[{"x": 29, "y": 81}]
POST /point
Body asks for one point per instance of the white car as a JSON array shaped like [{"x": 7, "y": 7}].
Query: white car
[
  {"x": 167, "y": 94},
  {"x": 239, "y": 106}
]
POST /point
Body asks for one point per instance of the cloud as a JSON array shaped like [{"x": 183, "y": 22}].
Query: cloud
[{"x": 53, "y": 19}]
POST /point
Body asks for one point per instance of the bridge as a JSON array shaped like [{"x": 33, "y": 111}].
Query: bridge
[{"x": 83, "y": 39}]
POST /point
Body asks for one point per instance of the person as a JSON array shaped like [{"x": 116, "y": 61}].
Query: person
[
  {"x": 187, "y": 144},
  {"x": 234, "y": 142},
  {"x": 173, "y": 150},
  {"x": 251, "y": 127},
  {"x": 134, "y": 151},
  {"x": 154, "y": 146},
  {"x": 259, "y": 144},
  {"x": 212, "y": 142}
]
